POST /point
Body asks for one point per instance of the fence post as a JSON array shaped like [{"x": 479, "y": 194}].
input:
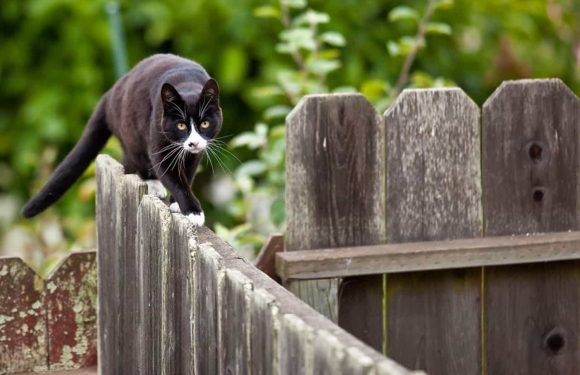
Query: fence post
[
  {"x": 531, "y": 174},
  {"x": 434, "y": 193},
  {"x": 335, "y": 197}
]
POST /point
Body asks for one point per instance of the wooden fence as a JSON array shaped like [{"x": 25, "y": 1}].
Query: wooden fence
[
  {"x": 173, "y": 300},
  {"x": 48, "y": 324},
  {"x": 432, "y": 168}
]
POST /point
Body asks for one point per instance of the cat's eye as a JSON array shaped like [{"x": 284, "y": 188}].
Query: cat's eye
[
  {"x": 204, "y": 125},
  {"x": 181, "y": 126}
]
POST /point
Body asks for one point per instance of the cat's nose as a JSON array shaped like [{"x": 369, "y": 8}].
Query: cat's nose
[{"x": 192, "y": 144}]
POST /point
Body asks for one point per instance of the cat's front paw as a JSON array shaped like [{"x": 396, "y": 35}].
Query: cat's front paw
[
  {"x": 174, "y": 207},
  {"x": 196, "y": 219},
  {"x": 156, "y": 188}
]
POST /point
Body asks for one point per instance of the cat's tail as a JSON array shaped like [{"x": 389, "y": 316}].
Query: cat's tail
[{"x": 94, "y": 138}]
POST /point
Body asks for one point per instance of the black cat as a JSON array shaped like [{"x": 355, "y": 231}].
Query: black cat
[{"x": 165, "y": 112}]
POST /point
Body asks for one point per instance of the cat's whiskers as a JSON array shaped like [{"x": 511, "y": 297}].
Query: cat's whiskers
[
  {"x": 169, "y": 155},
  {"x": 169, "y": 146},
  {"x": 222, "y": 147}
]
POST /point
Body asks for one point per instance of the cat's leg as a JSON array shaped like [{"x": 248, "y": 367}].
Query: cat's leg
[{"x": 187, "y": 203}]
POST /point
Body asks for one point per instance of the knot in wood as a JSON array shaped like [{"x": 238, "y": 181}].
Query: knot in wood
[{"x": 555, "y": 341}]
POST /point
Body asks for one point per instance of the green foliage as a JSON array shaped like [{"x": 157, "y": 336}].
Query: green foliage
[{"x": 56, "y": 62}]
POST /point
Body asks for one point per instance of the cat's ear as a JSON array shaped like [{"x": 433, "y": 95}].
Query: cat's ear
[
  {"x": 171, "y": 98},
  {"x": 211, "y": 90}
]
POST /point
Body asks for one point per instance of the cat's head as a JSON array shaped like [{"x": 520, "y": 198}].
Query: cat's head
[{"x": 191, "y": 121}]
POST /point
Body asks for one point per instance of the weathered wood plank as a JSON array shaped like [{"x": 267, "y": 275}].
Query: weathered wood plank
[
  {"x": 434, "y": 193},
  {"x": 296, "y": 352},
  {"x": 264, "y": 333},
  {"x": 71, "y": 303},
  {"x": 22, "y": 318},
  {"x": 235, "y": 317},
  {"x": 153, "y": 225},
  {"x": 208, "y": 266},
  {"x": 118, "y": 197},
  {"x": 180, "y": 293},
  {"x": 531, "y": 177},
  {"x": 430, "y": 255},
  {"x": 334, "y": 197}
]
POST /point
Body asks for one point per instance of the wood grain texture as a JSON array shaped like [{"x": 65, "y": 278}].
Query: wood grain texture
[
  {"x": 296, "y": 352},
  {"x": 264, "y": 333},
  {"x": 434, "y": 193},
  {"x": 179, "y": 286},
  {"x": 118, "y": 197},
  {"x": 334, "y": 197},
  {"x": 70, "y": 300},
  {"x": 22, "y": 318},
  {"x": 208, "y": 266},
  {"x": 235, "y": 320},
  {"x": 531, "y": 177},
  {"x": 430, "y": 255},
  {"x": 153, "y": 227}
]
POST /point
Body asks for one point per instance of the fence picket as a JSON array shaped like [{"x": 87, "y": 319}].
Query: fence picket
[
  {"x": 118, "y": 197},
  {"x": 334, "y": 197},
  {"x": 434, "y": 193},
  {"x": 22, "y": 318},
  {"x": 70, "y": 300},
  {"x": 531, "y": 176}
]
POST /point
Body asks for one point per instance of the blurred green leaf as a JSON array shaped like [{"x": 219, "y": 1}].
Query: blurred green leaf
[
  {"x": 437, "y": 28},
  {"x": 333, "y": 38},
  {"x": 277, "y": 111},
  {"x": 311, "y": 17},
  {"x": 297, "y": 4},
  {"x": 402, "y": 12},
  {"x": 444, "y": 4},
  {"x": 267, "y": 11}
]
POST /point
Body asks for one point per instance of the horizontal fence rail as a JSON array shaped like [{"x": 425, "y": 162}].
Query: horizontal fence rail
[
  {"x": 430, "y": 255},
  {"x": 48, "y": 324},
  {"x": 175, "y": 300}
]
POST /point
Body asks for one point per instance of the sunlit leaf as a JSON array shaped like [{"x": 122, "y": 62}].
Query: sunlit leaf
[
  {"x": 296, "y": 4},
  {"x": 267, "y": 11},
  {"x": 323, "y": 67},
  {"x": 444, "y": 4},
  {"x": 438, "y": 28},
  {"x": 311, "y": 17},
  {"x": 403, "y": 13},
  {"x": 393, "y": 48},
  {"x": 333, "y": 38},
  {"x": 277, "y": 111}
]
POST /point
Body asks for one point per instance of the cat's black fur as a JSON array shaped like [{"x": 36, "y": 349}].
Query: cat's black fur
[{"x": 142, "y": 110}]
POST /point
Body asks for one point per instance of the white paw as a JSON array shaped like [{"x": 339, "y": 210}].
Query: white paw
[
  {"x": 196, "y": 219},
  {"x": 174, "y": 207},
  {"x": 156, "y": 188}
]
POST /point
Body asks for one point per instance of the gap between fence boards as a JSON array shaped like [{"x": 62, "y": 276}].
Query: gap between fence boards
[{"x": 424, "y": 256}]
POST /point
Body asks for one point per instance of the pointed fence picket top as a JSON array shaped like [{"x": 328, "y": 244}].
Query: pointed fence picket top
[
  {"x": 71, "y": 302},
  {"x": 433, "y": 193},
  {"x": 334, "y": 197},
  {"x": 22, "y": 318},
  {"x": 531, "y": 184}
]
